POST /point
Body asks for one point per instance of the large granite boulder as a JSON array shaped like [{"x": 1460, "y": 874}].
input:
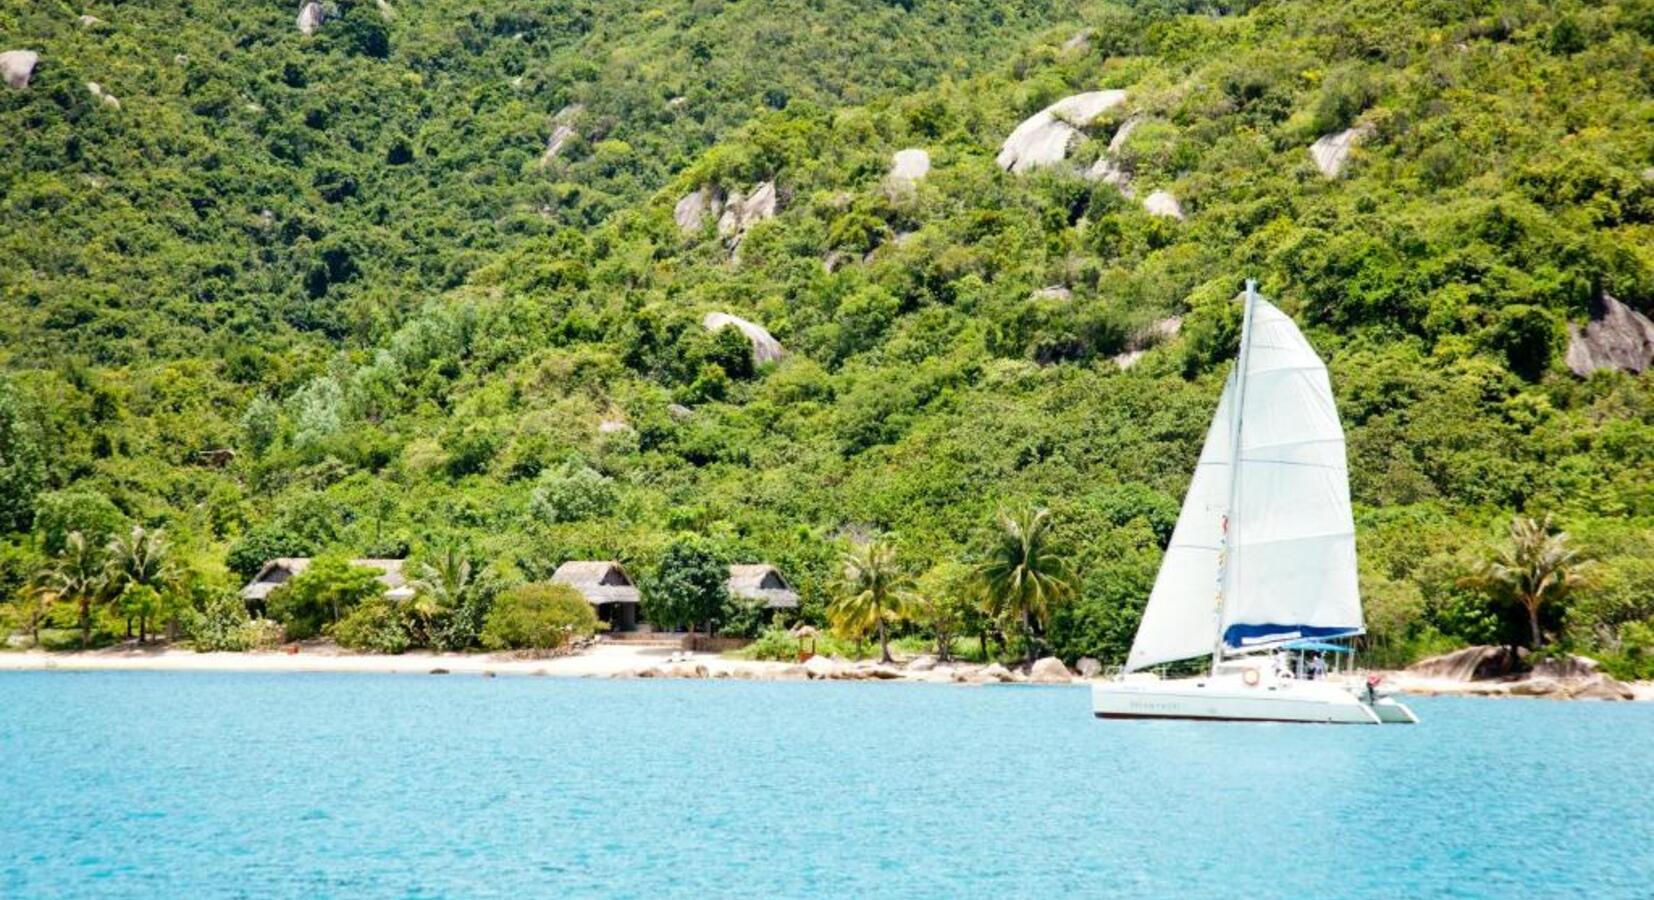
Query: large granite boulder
[
  {"x": 697, "y": 207},
  {"x": 1616, "y": 337},
  {"x": 1089, "y": 667},
  {"x": 101, "y": 95},
  {"x": 1567, "y": 667},
  {"x": 1046, "y": 137},
  {"x": 922, "y": 664},
  {"x": 819, "y": 667},
  {"x": 1163, "y": 203},
  {"x": 17, "y": 67},
  {"x": 1049, "y": 670},
  {"x": 311, "y": 17},
  {"x": 1537, "y": 687},
  {"x": 1141, "y": 341},
  {"x": 765, "y": 348},
  {"x": 1481, "y": 663},
  {"x": 1600, "y": 687},
  {"x": 746, "y": 210},
  {"x": 1331, "y": 151},
  {"x": 909, "y": 165},
  {"x": 995, "y": 672}
]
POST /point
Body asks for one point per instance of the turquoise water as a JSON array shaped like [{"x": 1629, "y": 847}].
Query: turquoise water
[{"x": 194, "y": 785}]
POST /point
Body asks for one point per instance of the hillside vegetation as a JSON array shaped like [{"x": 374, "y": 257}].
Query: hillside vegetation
[{"x": 455, "y": 343}]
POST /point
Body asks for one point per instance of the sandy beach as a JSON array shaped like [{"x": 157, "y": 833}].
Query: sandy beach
[{"x": 603, "y": 660}]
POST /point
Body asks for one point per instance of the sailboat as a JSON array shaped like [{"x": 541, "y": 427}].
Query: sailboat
[{"x": 1266, "y": 527}]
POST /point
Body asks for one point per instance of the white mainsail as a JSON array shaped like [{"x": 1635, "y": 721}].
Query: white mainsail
[{"x": 1290, "y": 569}]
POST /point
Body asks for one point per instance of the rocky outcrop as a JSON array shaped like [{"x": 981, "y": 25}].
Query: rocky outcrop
[
  {"x": 678, "y": 411},
  {"x": 1482, "y": 663},
  {"x": 1045, "y": 138},
  {"x": 1600, "y": 687},
  {"x": 1141, "y": 341},
  {"x": 1566, "y": 667},
  {"x": 744, "y": 211},
  {"x": 17, "y": 67},
  {"x": 1079, "y": 42},
  {"x": 910, "y": 165},
  {"x": 1616, "y": 337},
  {"x": 612, "y": 426},
  {"x": 995, "y": 672},
  {"x": 922, "y": 664},
  {"x": 311, "y": 17},
  {"x": 765, "y": 348},
  {"x": 87, "y": 20},
  {"x": 1107, "y": 169},
  {"x": 1162, "y": 203},
  {"x": 1049, "y": 670},
  {"x": 1331, "y": 151},
  {"x": 820, "y": 667},
  {"x": 1052, "y": 292},
  {"x": 103, "y": 96},
  {"x": 386, "y": 11},
  {"x": 1088, "y": 667},
  {"x": 698, "y": 207},
  {"x": 562, "y": 131}
]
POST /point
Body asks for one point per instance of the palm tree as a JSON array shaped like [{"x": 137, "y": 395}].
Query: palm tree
[
  {"x": 1023, "y": 577},
  {"x": 141, "y": 559},
  {"x": 875, "y": 592},
  {"x": 77, "y": 575},
  {"x": 1534, "y": 568},
  {"x": 441, "y": 588}
]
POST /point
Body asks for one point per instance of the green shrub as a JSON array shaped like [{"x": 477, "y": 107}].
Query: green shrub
[
  {"x": 538, "y": 616},
  {"x": 375, "y": 626},
  {"x": 217, "y": 626},
  {"x": 258, "y": 634}
]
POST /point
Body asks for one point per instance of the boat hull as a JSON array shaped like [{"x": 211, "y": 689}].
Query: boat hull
[{"x": 1234, "y": 700}]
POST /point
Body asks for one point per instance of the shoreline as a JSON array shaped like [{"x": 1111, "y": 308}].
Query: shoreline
[{"x": 602, "y": 661}]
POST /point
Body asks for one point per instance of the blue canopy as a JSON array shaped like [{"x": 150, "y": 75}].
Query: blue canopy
[{"x": 1322, "y": 646}]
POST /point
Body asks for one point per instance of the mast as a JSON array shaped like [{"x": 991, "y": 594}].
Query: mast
[{"x": 1224, "y": 560}]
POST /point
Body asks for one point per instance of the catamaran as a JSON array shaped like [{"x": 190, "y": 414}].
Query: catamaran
[{"x": 1267, "y": 522}]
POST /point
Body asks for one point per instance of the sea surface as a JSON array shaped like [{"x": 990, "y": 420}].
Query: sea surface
[{"x": 241, "y": 785}]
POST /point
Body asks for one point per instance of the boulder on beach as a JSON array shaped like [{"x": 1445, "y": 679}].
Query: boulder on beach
[
  {"x": 1536, "y": 687},
  {"x": 1331, "y": 151},
  {"x": 765, "y": 348},
  {"x": 1481, "y": 663},
  {"x": 995, "y": 672},
  {"x": 818, "y": 667},
  {"x": 1049, "y": 670},
  {"x": 1600, "y": 687},
  {"x": 1088, "y": 667},
  {"x": 1046, "y": 137},
  {"x": 1616, "y": 337},
  {"x": 922, "y": 664},
  {"x": 1566, "y": 667},
  {"x": 17, "y": 67}
]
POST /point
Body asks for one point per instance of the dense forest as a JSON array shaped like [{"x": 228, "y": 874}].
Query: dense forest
[{"x": 431, "y": 282}]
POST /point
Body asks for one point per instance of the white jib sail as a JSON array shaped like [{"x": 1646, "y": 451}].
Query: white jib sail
[
  {"x": 1291, "y": 570},
  {"x": 1180, "y": 620}
]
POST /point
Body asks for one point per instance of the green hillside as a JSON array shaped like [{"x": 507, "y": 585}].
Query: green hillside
[{"x": 453, "y": 344}]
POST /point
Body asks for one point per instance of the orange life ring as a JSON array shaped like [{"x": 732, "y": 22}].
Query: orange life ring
[{"x": 1250, "y": 676}]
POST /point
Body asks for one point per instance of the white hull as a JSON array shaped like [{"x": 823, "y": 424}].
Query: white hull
[{"x": 1231, "y": 698}]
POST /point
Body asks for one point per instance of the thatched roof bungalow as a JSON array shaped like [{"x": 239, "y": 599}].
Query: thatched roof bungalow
[
  {"x": 762, "y": 581},
  {"x": 278, "y": 571},
  {"x": 605, "y": 585}
]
